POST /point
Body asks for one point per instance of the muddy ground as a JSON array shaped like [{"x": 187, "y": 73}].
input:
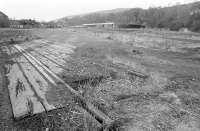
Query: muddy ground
[{"x": 145, "y": 80}]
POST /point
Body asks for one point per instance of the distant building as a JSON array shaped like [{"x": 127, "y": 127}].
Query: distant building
[
  {"x": 49, "y": 25},
  {"x": 4, "y": 21},
  {"x": 104, "y": 25},
  {"x": 24, "y": 24},
  {"x": 15, "y": 24},
  {"x": 113, "y": 25},
  {"x": 131, "y": 26},
  {"x": 78, "y": 26}
]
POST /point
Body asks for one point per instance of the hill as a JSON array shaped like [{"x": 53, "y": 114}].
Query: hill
[
  {"x": 174, "y": 17},
  {"x": 4, "y": 21}
]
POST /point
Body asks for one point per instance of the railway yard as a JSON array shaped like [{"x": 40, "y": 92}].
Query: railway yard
[{"x": 99, "y": 79}]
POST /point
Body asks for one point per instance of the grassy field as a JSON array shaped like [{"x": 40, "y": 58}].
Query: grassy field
[{"x": 143, "y": 79}]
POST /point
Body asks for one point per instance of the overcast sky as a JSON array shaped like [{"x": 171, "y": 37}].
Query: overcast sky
[{"x": 53, "y": 9}]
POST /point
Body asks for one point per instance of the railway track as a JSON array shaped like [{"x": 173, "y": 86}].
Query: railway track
[{"x": 30, "y": 81}]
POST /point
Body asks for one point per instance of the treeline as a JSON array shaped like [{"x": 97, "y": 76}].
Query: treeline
[
  {"x": 24, "y": 23},
  {"x": 173, "y": 18},
  {"x": 4, "y": 21}
]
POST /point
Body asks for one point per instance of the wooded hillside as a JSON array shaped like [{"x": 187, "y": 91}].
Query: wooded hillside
[{"x": 174, "y": 17}]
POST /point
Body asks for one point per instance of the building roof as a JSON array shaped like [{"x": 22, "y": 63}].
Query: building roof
[{"x": 107, "y": 23}]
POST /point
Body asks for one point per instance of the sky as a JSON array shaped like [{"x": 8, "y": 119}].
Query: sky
[{"x": 45, "y": 10}]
